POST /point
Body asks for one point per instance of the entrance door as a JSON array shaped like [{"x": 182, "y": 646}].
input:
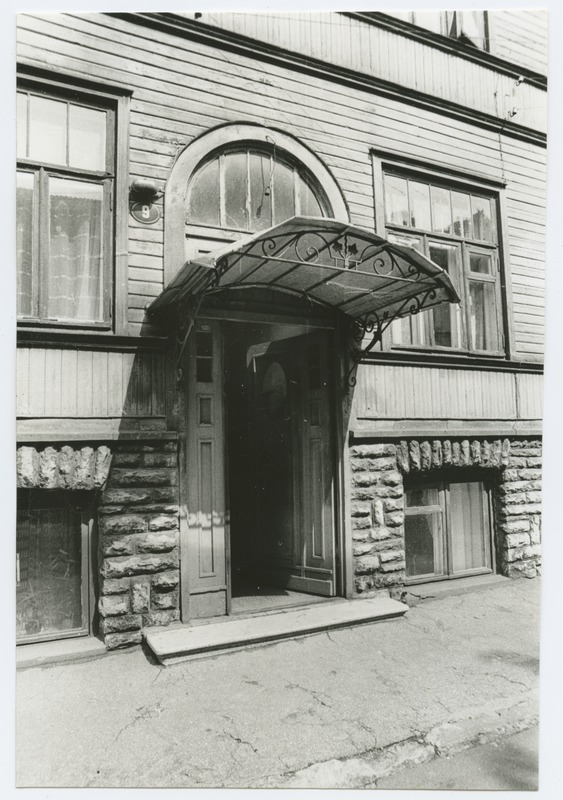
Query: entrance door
[{"x": 293, "y": 463}]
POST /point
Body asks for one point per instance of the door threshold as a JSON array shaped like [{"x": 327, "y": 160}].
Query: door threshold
[{"x": 173, "y": 645}]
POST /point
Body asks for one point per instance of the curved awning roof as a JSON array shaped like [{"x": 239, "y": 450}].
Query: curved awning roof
[{"x": 330, "y": 263}]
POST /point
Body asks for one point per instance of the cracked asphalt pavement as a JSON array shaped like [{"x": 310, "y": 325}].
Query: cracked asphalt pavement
[{"x": 239, "y": 719}]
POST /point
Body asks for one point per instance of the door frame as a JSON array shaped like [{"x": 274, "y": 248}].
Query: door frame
[{"x": 342, "y": 529}]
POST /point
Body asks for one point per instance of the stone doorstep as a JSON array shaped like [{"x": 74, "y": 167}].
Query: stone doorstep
[
  {"x": 55, "y": 652},
  {"x": 179, "y": 644}
]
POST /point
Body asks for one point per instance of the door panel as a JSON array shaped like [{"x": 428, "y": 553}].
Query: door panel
[
  {"x": 294, "y": 463},
  {"x": 205, "y": 565}
]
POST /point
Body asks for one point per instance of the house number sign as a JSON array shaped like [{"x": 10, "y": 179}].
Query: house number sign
[{"x": 145, "y": 212}]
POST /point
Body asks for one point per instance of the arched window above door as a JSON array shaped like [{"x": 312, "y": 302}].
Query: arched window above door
[
  {"x": 248, "y": 188},
  {"x": 239, "y": 179}
]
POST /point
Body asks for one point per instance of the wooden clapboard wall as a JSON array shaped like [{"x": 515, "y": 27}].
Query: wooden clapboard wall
[
  {"x": 182, "y": 88},
  {"x": 394, "y": 57}
]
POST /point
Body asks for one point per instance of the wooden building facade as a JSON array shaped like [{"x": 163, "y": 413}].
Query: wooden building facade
[{"x": 188, "y": 434}]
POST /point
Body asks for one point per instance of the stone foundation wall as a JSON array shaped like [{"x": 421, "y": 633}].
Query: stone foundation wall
[
  {"x": 138, "y": 542},
  {"x": 378, "y": 472}
]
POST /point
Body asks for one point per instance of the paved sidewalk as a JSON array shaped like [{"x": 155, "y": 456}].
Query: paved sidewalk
[{"x": 264, "y": 716}]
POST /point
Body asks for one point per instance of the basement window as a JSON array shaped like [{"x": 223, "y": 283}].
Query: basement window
[
  {"x": 54, "y": 593},
  {"x": 447, "y": 529}
]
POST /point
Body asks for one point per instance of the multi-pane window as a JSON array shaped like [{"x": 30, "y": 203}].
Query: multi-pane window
[
  {"x": 471, "y": 27},
  {"x": 457, "y": 229},
  {"x": 447, "y": 529},
  {"x": 53, "y": 587},
  {"x": 248, "y": 189},
  {"x": 64, "y": 194}
]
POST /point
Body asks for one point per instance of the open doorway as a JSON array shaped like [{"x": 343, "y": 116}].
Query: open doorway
[{"x": 280, "y": 465}]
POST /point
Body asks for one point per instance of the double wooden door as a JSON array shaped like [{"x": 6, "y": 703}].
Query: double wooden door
[{"x": 290, "y": 481}]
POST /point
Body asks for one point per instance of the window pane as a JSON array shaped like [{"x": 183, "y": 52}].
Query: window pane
[
  {"x": 469, "y": 535},
  {"x": 424, "y": 544},
  {"x": 462, "y": 215},
  {"x": 87, "y": 138},
  {"x": 432, "y": 20},
  {"x": 24, "y": 242},
  {"x": 480, "y": 262},
  {"x": 446, "y": 319},
  {"x": 236, "y": 186},
  {"x": 484, "y": 226},
  {"x": 441, "y": 210},
  {"x": 422, "y": 496},
  {"x": 47, "y": 130},
  {"x": 260, "y": 191},
  {"x": 49, "y": 572},
  {"x": 472, "y": 23},
  {"x": 396, "y": 200},
  {"x": 309, "y": 203},
  {"x": 75, "y": 250},
  {"x": 482, "y": 315},
  {"x": 21, "y": 148},
  {"x": 411, "y": 330},
  {"x": 284, "y": 193},
  {"x": 203, "y": 195},
  {"x": 419, "y": 196}
]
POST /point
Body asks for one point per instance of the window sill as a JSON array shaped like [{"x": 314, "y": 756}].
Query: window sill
[
  {"x": 57, "y": 337},
  {"x": 457, "y": 359},
  {"x": 79, "y": 649},
  {"x": 433, "y": 590}
]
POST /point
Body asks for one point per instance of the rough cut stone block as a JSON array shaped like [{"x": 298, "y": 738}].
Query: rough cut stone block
[
  {"x": 165, "y": 580},
  {"x": 437, "y": 453},
  {"x": 142, "y": 477},
  {"x": 114, "y": 604},
  {"x": 361, "y": 535},
  {"x": 164, "y": 617},
  {"x": 515, "y": 497},
  {"x": 517, "y": 539},
  {"x": 485, "y": 453},
  {"x": 522, "y": 569},
  {"x": 361, "y": 523},
  {"x": 49, "y": 468},
  {"x": 393, "y": 566},
  {"x": 114, "y": 641},
  {"x": 165, "y": 600},
  {"x": 67, "y": 464},
  {"x": 446, "y": 453},
  {"x": 388, "y": 579},
  {"x": 156, "y": 542},
  {"x": 364, "y": 583},
  {"x": 534, "y": 462},
  {"x": 139, "y": 564},
  {"x": 394, "y": 519},
  {"x": 391, "y": 478},
  {"x": 128, "y": 622},
  {"x": 456, "y": 454},
  {"x": 114, "y": 585},
  {"x": 403, "y": 456},
  {"x": 102, "y": 465},
  {"x": 425, "y": 455},
  {"x": 27, "y": 465},
  {"x": 496, "y": 453},
  {"x": 505, "y": 450},
  {"x": 361, "y": 509},
  {"x": 361, "y": 494},
  {"x": 84, "y": 468},
  {"x": 124, "y": 459},
  {"x": 509, "y": 475},
  {"x": 377, "y": 512},
  {"x": 516, "y": 526},
  {"x": 391, "y": 555},
  {"x": 414, "y": 454},
  {"x": 164, "y": 522},
  {"x": 363, "y": 549},
  {"x": 140, "y": 596},
  {"x": 365, "y": 478},
  {"x": 380, "y": 534},
  {"x": 475, "y": 451},
  {"x": 128, "y": 523},
  {"x": 134, "y": 496},
  {"x": 116, "y": 545},
  {"x": 465, "y": 454},
  {"x": 530, "y": 474},
  {"x": 373, "y": 450},
  {"x": 393, "y": 504},
  {"x": 366, "y": 565},
  {"x": 518, "y": 510}
]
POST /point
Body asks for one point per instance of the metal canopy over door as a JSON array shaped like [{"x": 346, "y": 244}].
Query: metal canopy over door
[{"x": 293, "y": 463}]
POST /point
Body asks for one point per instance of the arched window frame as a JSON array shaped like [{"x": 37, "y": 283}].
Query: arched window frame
[{"x": 228, "y": 136}]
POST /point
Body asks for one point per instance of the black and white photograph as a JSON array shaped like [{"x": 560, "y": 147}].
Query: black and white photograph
[{"x": 278, "y": 317}]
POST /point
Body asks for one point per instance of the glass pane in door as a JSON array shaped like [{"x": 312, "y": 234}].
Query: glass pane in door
[
  {"x": 469, "y": 535},
  {"x": 424, "y": 533}
]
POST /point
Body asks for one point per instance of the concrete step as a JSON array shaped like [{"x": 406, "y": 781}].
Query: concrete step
[{"x": 171, "y": 645}]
